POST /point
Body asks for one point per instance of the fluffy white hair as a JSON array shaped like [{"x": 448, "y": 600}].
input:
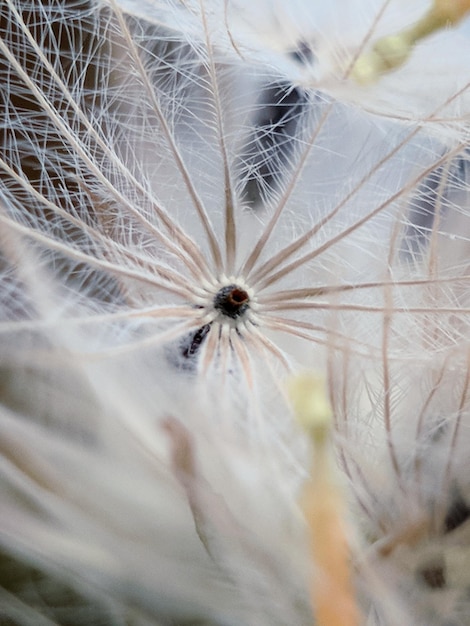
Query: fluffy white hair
[{"x": 184, "y": 224}]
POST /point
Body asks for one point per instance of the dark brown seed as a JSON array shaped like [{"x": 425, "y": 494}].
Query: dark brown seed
[
  {"x": 457, "y": 514},
  {"x": 232, "y": 301},
  {"x": 433, "y": 575}
]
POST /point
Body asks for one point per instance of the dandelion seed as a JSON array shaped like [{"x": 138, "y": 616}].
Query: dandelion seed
[{"x": 149, "y": 317}]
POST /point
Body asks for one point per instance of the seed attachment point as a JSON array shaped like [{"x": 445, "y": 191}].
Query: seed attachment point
[{"x": 232, "y": 301}]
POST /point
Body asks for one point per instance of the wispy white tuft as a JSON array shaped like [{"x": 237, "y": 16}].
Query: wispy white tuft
[
  {"x": 318, "y": 46},
  {"x": 184, "y": 224}
]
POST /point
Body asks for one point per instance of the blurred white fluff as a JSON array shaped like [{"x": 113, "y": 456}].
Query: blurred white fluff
[
  {"x": 149, "y": 464},
  {"x": 92, "y": 497},
  {"x": 315, "y": 45}
]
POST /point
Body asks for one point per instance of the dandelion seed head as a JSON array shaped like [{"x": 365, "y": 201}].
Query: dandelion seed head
[{"x": 173, "y": 245}]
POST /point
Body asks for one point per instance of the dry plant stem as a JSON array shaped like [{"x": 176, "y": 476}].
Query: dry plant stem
[
  {"x": 331, "y": 591},
  {"x": 393, "y": 51}
]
